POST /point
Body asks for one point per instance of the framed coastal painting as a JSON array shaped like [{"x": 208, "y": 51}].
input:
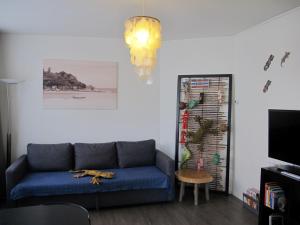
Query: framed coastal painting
[{"x": 78, "y": 84}]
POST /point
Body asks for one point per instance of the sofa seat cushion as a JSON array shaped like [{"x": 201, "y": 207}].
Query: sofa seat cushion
[{"x": 62, "y": 183}]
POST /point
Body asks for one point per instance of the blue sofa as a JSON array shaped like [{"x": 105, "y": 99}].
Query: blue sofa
[{"x": 142, "y": 174}]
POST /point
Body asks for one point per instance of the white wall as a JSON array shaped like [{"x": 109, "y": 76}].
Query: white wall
[
  {"x": 136, "y": 118},
  {"x": 252, "y": 48}
]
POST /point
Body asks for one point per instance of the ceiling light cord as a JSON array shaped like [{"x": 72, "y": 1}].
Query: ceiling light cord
[{"x": 143, "y": 7}]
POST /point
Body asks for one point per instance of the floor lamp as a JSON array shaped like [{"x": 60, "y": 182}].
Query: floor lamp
[{"x": 8, "y": 83}]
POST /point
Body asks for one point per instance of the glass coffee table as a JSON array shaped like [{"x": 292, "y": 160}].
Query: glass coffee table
[{"x": 64, "y": 214}]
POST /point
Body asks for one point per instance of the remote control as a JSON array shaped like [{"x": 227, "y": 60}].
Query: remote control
[{"x": 291, "y": 175}]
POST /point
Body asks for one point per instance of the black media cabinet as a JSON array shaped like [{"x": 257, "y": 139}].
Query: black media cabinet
[{"x": 291, "y": 189}]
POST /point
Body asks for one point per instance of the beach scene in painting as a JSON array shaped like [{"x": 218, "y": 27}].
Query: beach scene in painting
[{"x": 72, "y": 84}]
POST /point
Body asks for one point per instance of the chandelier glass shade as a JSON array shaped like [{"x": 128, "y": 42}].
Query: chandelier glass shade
[{"x": 143, "y": 38}]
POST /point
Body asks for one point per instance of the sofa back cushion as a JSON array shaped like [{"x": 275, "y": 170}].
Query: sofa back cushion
[
  {"x": 95, "y": 156},
  {"x": 50, "y": 157},
  {"x": 133, "y": 154}
]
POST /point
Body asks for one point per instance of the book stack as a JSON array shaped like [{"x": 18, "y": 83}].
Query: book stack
[
  {"x": 253, "y": 192},
  {"x": 251, "y": 199},
  {"x": 272, "y": 193}
]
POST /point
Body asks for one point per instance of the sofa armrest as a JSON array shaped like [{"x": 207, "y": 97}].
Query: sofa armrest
[
  {"x": 14, "y": 173},
  {"x": 165, "y": 163},
  {"x": 167, "y": 166}
]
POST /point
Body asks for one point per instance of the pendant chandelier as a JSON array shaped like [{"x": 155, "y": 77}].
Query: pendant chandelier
[{"x": 143, "y": 38}]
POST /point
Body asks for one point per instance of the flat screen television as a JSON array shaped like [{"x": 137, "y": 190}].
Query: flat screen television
[{"x": 284, "y": 135}]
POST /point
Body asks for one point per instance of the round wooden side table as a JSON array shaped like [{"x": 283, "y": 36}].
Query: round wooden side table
[{"x": 195, "y": 177}]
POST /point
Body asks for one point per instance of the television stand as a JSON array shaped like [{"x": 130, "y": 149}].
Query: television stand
[{"x": 291, "y": 188}]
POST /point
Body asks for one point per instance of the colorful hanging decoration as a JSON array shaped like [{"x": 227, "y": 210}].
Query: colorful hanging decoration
[
  {"x": 187, "y": 87},
  {"x": 220, "y": 97},
  {"x": 200, "y": 83},
  {"x": 183, "y": 137},
  {"x": 200, "y": 164},
  {"x": 286, "y": 55},
  {"x": 186, "y": 90},
  {"x": 201, "y": 98},
  {"x": 185, "y": 119},
  {"x": 203, "y": 130},
  {"x": 185, "y": 157},
  {"x": 216, "y": 158},
  {"x": 182, "y": 105},
  {"x": 193, "y": 103},
  {"x": 184, "y": 127},
  {"x": 223, "y": 127},
  {"x": 268, "y": 63}
]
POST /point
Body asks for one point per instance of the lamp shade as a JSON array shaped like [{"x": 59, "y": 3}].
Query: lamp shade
[{"x": 143, "y": 38}]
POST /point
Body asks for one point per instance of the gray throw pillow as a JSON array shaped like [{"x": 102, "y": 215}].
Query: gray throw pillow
[
  {"x": 134, "y": 154},
  {"x": 95, "y": 156},
  {"x": 50, "y": 157}
]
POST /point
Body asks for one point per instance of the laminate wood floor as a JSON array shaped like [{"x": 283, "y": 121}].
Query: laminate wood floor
[{"x": 220, "y": 210}]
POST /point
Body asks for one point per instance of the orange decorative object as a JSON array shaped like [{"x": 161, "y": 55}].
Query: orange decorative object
[
  {"x": 185, "y": 119},
  {"x": 183, "y": 137},
  {"x": 95, "y": 174},
  {"x": 200, "y": 164}
]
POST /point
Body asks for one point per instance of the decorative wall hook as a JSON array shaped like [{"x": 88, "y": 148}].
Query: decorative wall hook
[
  {"x": 286, "y": 55},
  {"x": 266, "y": 87},
  {"x": 268, "y": 63}
]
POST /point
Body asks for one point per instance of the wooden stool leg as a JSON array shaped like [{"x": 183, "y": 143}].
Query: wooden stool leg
[
  {"x": 196, "y": 191},
  {"x": 181, "y": 194},
  {"x": 207, "y": 192}
]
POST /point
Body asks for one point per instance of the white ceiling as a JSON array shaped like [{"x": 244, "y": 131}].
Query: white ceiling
[{"x": 105, "y": 18}]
